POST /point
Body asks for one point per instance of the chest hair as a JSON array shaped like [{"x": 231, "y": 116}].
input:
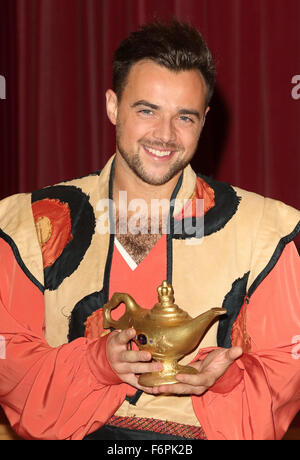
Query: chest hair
[{"x": 140, "y": 244}]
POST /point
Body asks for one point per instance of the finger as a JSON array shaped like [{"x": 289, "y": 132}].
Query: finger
[
  {"x": 234, "y": 353},
  {"x": 133, "y": 380},
  {"x": 133, "y": 356},
  {"x": 179, "y": 389},
  {"x": 196, "y": 380},
  {"x": 196, "y": 365},
  {"x": 149, "y": 390},
  {"x": 125, "y": 336},
  {"x": 137, "y": 367}
]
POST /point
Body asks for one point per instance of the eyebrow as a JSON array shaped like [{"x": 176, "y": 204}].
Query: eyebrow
[
  {"x": 145, "y": 103},
  {"x": 190, "y": 112}
]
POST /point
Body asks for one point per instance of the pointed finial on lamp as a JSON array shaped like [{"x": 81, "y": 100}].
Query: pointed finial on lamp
[{"x": 165, "y": 294}]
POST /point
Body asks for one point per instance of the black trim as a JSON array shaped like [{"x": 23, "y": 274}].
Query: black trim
[
  {"x": 226, "y": 205},
  {"x": 134, "y": 399},
  {"x": 20, "y": 262},
  {"x": 169, "y": 259},
  {"x": 170, "y": 231},
  {"x": 83, "y": 224},
  {"x": 112, "y": 224},
  {"x": 80, "y": 313},
  {"x": 233, "y": 302},
  {"x": 274, "y": 259}
]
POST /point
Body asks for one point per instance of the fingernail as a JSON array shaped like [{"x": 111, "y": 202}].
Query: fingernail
[{"x": 158, "y": 366}]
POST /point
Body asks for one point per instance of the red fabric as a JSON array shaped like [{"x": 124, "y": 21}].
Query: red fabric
[
  {"x": 239, "y": 335},
  {"x": 261, "y": 390},
  {"x": 49, "y": 393},
  {"x": 60, "y": 227},
  {"x": 94, "y": 325},
  {"x": 64, "y": 392},
  {"x": 264, "y": 401},
  {"x": 142, "y": 282},
  {"x": 133, "y": 282},
  {"x": 191, "y": 208},
  {"x": 56, "y": 58}
]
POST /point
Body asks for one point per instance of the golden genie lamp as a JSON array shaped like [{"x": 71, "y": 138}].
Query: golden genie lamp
[{"x": 166, "y": 331}]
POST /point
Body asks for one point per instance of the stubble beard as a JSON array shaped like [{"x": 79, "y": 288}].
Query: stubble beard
[{"x": 134, "y": 162}]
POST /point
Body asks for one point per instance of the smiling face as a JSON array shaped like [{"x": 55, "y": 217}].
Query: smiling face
[{"x": 158, "y": 121}]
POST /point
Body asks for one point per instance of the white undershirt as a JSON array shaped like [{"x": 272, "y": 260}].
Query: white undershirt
[{"x": 127, "y": 257}]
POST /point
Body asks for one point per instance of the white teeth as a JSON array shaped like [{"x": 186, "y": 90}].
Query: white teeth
[{"x": 159, "y": 153}]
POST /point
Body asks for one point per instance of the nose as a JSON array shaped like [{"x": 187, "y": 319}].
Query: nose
[{"x": 165, "y": 130}]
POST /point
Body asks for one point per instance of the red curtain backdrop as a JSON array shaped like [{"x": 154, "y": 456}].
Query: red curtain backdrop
[{"x": 56, "y": 57}]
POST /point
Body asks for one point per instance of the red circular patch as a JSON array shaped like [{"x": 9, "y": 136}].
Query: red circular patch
[{"x": 57, "y": 227}]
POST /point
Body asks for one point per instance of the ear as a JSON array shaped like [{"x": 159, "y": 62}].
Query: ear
[
  {"x": 205, "y": 113},
  {"x": 111, "y": 106}
]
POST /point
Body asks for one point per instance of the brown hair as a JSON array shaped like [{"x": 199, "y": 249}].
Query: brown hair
[{"x": 175, "y": 45}]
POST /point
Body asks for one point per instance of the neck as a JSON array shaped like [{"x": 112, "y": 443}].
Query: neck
[{"x": 125, "y": 180}]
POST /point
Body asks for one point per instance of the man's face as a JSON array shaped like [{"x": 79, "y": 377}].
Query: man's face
[{"x": 158, "y": 121}]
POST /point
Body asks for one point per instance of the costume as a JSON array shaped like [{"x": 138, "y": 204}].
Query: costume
[{"x": 57, "y": 274}]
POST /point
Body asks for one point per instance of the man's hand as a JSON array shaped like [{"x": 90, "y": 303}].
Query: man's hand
[
  {"x": 127, "y": 363},
  {"x": 210, "y": 370}
]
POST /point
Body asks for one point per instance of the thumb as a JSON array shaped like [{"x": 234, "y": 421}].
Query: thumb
[{"x": 234, "y": 353}]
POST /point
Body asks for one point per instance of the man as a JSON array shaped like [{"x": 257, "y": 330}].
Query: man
[{"x": 60, "y": 267}]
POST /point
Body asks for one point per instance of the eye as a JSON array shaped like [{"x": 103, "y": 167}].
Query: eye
[
  {"x": 146, "y": 112},
  {"x": 186, "y": 119}
]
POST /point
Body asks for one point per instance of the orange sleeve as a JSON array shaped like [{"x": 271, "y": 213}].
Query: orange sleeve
[
  {"x": 48, "y": 393},
  {"x": 259, "y": 395}
]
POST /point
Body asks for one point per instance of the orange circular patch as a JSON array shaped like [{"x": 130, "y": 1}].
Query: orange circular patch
[{"x": 53, "y": 223}]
